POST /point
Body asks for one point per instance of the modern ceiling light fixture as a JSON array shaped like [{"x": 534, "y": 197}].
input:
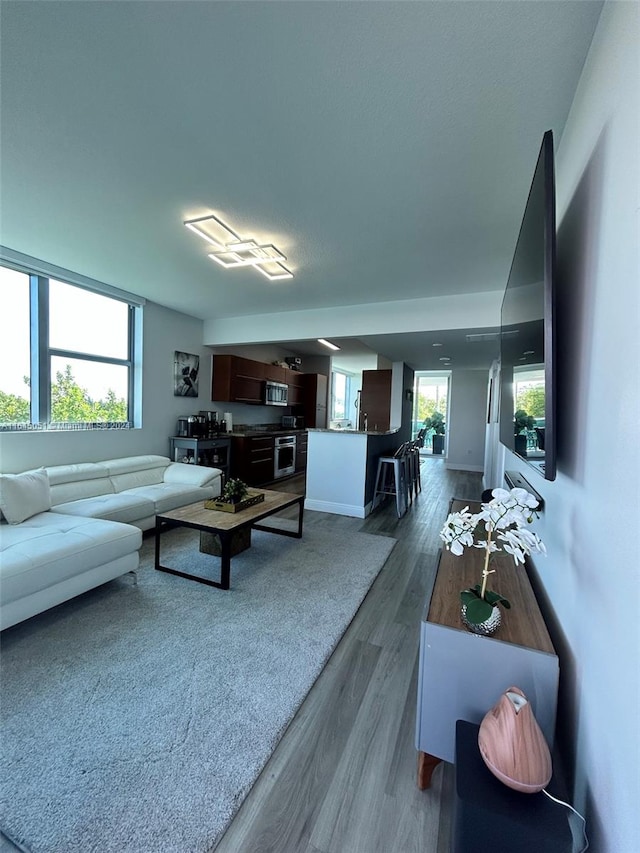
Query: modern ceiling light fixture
[
  {"x": 213, "y": 230},
  {"x": 327, "y": 344},
  {"x": 232, "y": 251}
]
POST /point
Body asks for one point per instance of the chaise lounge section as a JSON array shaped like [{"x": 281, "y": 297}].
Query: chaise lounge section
[{"x": 69, "y": 528}]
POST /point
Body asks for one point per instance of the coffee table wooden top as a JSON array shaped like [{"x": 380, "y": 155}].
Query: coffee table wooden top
[{"x": 197, "y": 515}]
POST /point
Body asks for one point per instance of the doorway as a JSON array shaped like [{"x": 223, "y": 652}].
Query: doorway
[{"x": 431, "y": 410}]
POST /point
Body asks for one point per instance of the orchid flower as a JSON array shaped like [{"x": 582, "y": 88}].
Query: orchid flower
[{"x": 504, "y": 518}]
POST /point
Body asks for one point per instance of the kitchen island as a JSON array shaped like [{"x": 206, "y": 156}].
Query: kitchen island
[{"x": 342, "y": 466}]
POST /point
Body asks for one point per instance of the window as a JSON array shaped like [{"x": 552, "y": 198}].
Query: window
[
  {"x": 340, "y": 395},
  {"x": 431, "y": 393},
  {"x": 15, "y": 359},
  {"x": 67, "y": 354}
]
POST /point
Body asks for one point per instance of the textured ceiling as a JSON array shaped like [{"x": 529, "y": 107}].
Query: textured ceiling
[{"x": 385, "y": 148}]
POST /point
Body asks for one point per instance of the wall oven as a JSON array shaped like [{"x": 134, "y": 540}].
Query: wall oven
[
  {"x": 275, "y": 393},
  {"x": 284, "y": 456}
]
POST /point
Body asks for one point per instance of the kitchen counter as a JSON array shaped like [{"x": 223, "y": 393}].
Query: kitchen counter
[
  {"x": 341, "y": 472},
  {"x": 355, "y": 431},
  {"x": 250, "y": 433}
]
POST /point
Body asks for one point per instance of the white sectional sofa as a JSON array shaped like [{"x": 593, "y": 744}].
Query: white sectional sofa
[{"x": 68, "y": 528}]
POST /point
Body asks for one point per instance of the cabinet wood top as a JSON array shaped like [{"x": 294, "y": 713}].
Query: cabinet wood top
[{"x": 522, "y": 625}]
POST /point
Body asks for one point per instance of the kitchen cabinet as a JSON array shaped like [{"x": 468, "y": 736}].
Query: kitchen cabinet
[
  {"x": 253, "y": 459},
  {"x": 237, "y": 380},
  {"x": 302, "y": 440},
  {"x": 295, "y": 383},
  {"x": 275, "y": 373},
  {"x": 315, "y": 400},
  {"x": 375, "y": 400}
]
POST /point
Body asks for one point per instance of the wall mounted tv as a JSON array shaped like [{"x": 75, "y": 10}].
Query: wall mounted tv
[{"x": 527, "y": 328}]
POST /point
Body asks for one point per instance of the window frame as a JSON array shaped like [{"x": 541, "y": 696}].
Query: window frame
[
  {"x": 347, "y": 393},
  {"x": 41, "y": 353}
]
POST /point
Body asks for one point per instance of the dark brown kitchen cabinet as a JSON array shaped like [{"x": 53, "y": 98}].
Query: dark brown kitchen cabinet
[
  {"x": 375, "y": 400},
  {"x": 237, "y": 380},
  {"x": 275, "y": 373},
  {"x": 302, "y": 439},
  {"x": 252, "y": 459},
  {"x": 315, "y": 400},
  {"x": 295, "y": 382}
]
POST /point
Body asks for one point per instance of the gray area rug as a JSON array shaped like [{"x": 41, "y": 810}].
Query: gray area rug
[{"x": 136, "y": 718}]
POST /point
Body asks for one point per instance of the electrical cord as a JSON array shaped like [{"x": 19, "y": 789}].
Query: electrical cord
[{"x": 571, "y": 808}]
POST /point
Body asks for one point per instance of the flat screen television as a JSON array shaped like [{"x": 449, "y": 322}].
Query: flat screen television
[{"x": 527, "y": 328}]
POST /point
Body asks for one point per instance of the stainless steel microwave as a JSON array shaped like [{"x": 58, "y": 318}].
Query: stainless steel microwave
[{"x": 275, "y": 393}]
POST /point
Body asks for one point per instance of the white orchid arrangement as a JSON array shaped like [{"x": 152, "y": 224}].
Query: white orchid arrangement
[{"x": 501, "y": 522}]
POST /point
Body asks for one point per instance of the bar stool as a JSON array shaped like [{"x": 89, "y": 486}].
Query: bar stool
[
  {"x": 391, "y": 479},
  {"x": 416, "y": 480}
]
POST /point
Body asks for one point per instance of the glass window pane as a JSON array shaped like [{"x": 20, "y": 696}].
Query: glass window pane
[
  {"x": 87, "y": 392},
  {"x": 87, "y": 322},
  {"x": 15, "y": 365},
  {"x": 339, "y": 396}
]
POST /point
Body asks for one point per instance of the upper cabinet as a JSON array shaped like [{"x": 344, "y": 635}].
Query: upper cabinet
[
  {"x": 241, "y": 380},
  {"x": 295, "y": 382},
  {"x": 275, "y": 373},
  {"x": 237, "y": 380}
]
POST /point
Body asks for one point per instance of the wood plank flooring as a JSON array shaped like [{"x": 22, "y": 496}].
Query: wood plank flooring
[{"x": 343, "y": 778}]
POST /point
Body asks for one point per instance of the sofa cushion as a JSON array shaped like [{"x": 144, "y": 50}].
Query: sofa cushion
[
  {"x": 24, "y": 495},
  {"x": 135, "y": 463},
  {"x": 191, "y": 475},
  {"x": 78, "y": 489},
  {"x": 133, "y": 479},
  {"x": 167, "y": 496},
  {"x": 50, "y": 547},
  {"x": 76, "y": 472},
  {"x": 123, "y": 507}
]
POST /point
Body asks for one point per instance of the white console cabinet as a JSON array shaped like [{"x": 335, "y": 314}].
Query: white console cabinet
[{"x": 461, "y": 674}]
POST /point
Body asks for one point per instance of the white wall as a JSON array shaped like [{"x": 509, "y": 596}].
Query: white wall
[
  {"x": 590, "y": 522},
  {"x": 164, "y": 331},
  {"x": 467, "y": 420},
  {"x": 408, "y": 315}
]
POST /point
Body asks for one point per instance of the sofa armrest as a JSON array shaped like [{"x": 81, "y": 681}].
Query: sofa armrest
[{"x": 191, "y": 475}]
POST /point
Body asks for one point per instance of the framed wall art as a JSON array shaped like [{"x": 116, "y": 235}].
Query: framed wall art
[{"x": 186, "y": 369}]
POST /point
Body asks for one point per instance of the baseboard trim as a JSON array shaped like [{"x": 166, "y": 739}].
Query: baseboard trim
[
  {"x": 336, "y": 509},
  {"x": 474, "y": 469}
]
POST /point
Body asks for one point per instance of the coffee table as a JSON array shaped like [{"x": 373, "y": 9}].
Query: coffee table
[{"x": 226, "y": 525}]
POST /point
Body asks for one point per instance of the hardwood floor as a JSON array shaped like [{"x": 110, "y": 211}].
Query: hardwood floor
[{"x": 343, "y": 778}]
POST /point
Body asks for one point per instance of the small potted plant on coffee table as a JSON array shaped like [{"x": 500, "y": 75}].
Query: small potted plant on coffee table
[{"x": 234, "y": 491}]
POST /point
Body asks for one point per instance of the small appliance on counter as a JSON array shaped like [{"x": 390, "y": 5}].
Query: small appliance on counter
[
  {"x": 292, "y": 422},
  {"x": 202, "y": 425},
  {"x": 192, "y": 426}
]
